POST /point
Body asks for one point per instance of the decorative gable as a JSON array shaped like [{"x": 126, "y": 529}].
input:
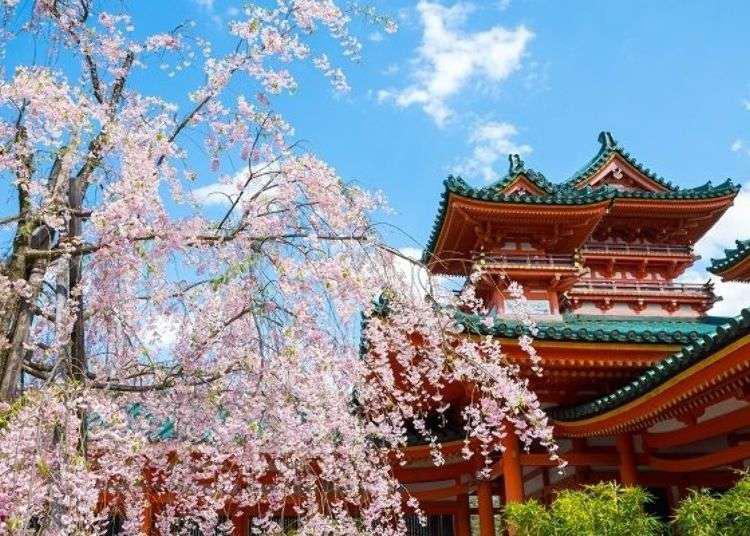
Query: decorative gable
[
  {"x": 614, "y": 167},
  {"x": 522, "y": 185},
  {"x": 619, "y": 175},
  {"x": 521, "y": 181}
]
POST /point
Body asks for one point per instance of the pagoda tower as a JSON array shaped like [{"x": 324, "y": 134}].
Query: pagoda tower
[
  {"x": 641, "y": 385},
  {"x": 611, "y": 240}
]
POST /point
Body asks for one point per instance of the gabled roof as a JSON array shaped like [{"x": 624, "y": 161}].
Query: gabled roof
[
  {"x": 571, "y": 191},
  {"x": 580, "y": 328},
  {"x": 517, "y": 168},
  {"x": 564, "y": 194},
  {"x": 609, "y": 147},
  {"x": 721, "y": 336},
  {"x": 732, "y": 257}
]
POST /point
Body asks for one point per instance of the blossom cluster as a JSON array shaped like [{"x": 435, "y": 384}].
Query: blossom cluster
[{"x": 178, "y": 369}]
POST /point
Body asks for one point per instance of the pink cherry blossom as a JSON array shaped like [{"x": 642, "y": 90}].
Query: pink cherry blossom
[{"x": 160, "y": 361}]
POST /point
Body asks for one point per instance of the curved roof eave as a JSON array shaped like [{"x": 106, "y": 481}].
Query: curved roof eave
[
  {"x": 732, "y": 257},
  {"x": 691, "y": 354},
  {"x": 456, "y": 186}
]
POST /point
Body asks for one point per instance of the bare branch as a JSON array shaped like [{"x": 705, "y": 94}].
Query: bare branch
[{"x": 96, "y": 85}]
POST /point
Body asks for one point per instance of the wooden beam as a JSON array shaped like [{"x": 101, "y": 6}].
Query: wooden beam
[
  {"x": 408, "y": 475},
  {"x": 573, "y": 458},
  {"x": 442, "y": 493},
  {"x": 698, "y": 463},
  {"x": 707, "y": 429}
]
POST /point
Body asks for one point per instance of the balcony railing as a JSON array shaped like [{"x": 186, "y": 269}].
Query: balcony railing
[
  {"x": 531, "y": 261},
  {"x": 644, "y": 287},
  {"x": 637, "y": 249}
]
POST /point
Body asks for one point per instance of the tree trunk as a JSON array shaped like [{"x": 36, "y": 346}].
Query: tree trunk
[
  {"x": 18, "y": 326},
  {"x": 77, "y": 344}
]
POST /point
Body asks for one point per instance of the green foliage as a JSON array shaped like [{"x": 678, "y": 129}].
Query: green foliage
[
  {"x": 599, "y": 510},
  {"x": 704, "y": 514},
  {"x": 9, "y": 411}
]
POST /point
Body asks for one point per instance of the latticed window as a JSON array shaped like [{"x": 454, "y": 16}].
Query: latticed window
[{"x": 437, "y": 525}]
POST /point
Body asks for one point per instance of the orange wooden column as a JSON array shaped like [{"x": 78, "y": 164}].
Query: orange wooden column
[
  {"x": 486, "y": 512},
  {"x": 148, "y": 519},
  {"x": 462, "y": 520},
  {"x": 512, "y": 473},
  {"x": 628, "y": 467},
  {"x": 241, "y": 525}
]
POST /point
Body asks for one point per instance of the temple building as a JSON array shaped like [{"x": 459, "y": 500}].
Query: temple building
[
  {"x": 642, "y": 385},
  {"x": 735, "y": 266}
]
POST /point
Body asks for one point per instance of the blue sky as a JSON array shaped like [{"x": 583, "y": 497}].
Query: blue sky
[
  {"x": 461, "y": 84},
  {"x": 464, "y": 83}
]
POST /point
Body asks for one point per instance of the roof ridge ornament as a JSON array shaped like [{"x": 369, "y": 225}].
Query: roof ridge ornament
[
  {"x": 516, "y": 164},
  {"x": 607, "y": 140}
]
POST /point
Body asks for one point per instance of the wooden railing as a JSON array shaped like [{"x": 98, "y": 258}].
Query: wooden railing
[
  {"x": 637, "y": 249},
  {"x": 562, "y": 261},
  {"x": 649, "y": 287}
]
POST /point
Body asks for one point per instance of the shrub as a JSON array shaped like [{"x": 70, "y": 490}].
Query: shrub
[
  {"x": 705, "y": 514},
  {"x": 598, "y": 510}
]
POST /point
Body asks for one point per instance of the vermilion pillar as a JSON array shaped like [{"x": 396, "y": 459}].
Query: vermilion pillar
[
  {"x": 486, "y": 512},
  {"x": 512, "y": 473},
  {"x": 463, "y": 524},
  {"x": 148, "y": 519},
  {"x": 628, "y": 468},
  {"x": 241, "y": 525}
]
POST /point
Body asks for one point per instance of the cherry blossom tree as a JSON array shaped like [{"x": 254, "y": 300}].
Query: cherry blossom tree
[{"x": 175, "y": 368}]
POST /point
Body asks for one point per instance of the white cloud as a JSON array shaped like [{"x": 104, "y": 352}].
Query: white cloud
[
  {"x": 737, "y": 145},
  {"x": 221, "y": 192},
  {"x": 418, "y": 280},
  {"x": 414, "y": 274},
  {"x": 161, "y": 335},
  {"x": 205, "y": 4},
  {"x": 390, "y": 69},
  {"x": 503, "y": 4},
  {"x": 449, "y": 57},
  {"x": 733, "y": 225},
  {"x": 225, "y": 190},
  {"x": 734, "y": 296},
  {"x": 492, "y": 142},
  {"x": 746, "y": 104},
  {"x": 375, "y": 37}
]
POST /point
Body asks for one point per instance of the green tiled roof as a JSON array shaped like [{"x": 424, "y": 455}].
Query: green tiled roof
[
  {"x": 723, "y": 334},
  {"x": 731, "y": 257},
  {"x": 518, "y": 168},
  {"x": 563, "y": 195},
  {"x": 567, "y": 192},
  {"x": 602, "y": 329},
  {"x": 609, "y": 146}
]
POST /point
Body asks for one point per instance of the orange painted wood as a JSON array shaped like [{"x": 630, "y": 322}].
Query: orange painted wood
[
  {"x": 408, "y": 475},
  {"x": 441, "y": 493},
  {"x": 573, "y": 458},
  {"x": 461, "y": 521},
  {"x": 733, "y": 361},
  {"x": 512, "y": 473},
  {"x": 698, "y": 463},
  {"x": 241, "y": 526},
  {"x": 720, "y": 425},
  {"x": 486, "y": 512},
  {"x": 738, "y": 272},
  {"x": 422, "y": 452},
  {"x": 627, "y": 465}
]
